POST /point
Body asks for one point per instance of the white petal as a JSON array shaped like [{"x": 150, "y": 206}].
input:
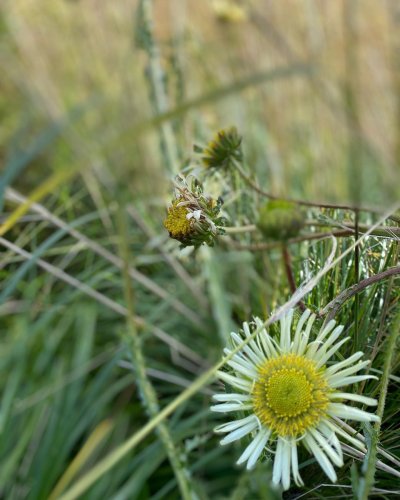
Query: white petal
[
  {"x": 312, "y": 349},
  {"x": 265, "y": 339},
  {"x": 227, "y": 407},
  {"x": 240, "y": 367},
  {"x": 349, "y": 361},
  {"x": 237, "y": 382},
  {"x": 197, "y": 214},
  {"x": 240, "y": 358},
  {"x": 253, "y": 343},
  {"x": 348, "y": 371},
  {"x": 253, "y": 451},
  {"x": 277, "y": 470},
  {"x": 252, "y": 350},
  {"x": 331, "y": 437},
  {"x": 353, "y": 397},
  {"x": 348, "y": 412},
  {"x": 286, "y": 455},
  {"x": 299, "y": 327},
  {"x": 321, "y": 457},
  {"x": 336, "y": 428},
  {"x": 335, "y": 457},
  {"x": 329, "y": 341},
  {"x": 328, "y": 328},
  {"x": 295, "y": 464},
  {"x": 249, "y": 449},
  {"x": 239, "y": 433},
  {"x": 334, "y": 335},
  {"x": 331, "y": 352},
  {"x": 231, "y": 397},
  {"x": 306, "y": 335},
  {"x": 235, "y": 424},
  {"x": 258, "y": 450},
  {"x": 351, "y": 380},
  {"x": 286, "y": 323}
]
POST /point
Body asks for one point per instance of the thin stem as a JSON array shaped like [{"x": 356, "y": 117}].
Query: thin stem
[
  {"x": 173, "y": 343},
  {"x": 170, "y": 259},
  {"x": 146, "y": 389},
  {"x": 155, "y": 75},
  {"x": 316, "y": 204},
  {"x": 368, "y": 481},
  {"x": 240, "y": 229},
  {"x": 333, "y": 306},
  {"x": 385, "y": 306},
  {"x": 287, "y": 262},
  {"x": 356, "y": 278},
  {"x": 254, "y": 247},
  {"x": 385, "y": 309},
  {"x": 387, "y": 231},
  {"x": 103, "y": 252}
]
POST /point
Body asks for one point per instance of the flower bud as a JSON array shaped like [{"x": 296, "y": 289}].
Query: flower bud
[
  {"x": 280, "y": 219},
  {"x": 223, "y": 150}
]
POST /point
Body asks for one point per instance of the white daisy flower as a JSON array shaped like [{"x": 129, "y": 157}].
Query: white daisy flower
[{"x": 291, "y": 395}]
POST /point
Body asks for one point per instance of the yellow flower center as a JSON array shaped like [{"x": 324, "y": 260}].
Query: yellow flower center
[
  {"x": 290, "y": 395},
  {"x": 288, "y": 392},
  {"x": 176, "y": 221}
]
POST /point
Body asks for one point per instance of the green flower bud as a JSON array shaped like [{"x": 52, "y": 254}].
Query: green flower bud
[
  {"x": 225, "y": 148},
  {"x": 280, "y": 219}
]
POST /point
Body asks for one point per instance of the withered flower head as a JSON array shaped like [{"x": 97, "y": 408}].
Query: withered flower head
[{"x": 193, "y": 218}]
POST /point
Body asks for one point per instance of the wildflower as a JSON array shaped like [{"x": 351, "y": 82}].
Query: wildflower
[
  {"x": 229, "y": 11},
  {"x": 223, "y": 150},
  {"x": 291, "y": 395},
  {"x": 280, "y": 219},
  {"x": 193, "y": 218}
]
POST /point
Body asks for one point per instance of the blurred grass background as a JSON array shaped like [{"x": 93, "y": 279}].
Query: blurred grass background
[{"x": 116, "y": 94}]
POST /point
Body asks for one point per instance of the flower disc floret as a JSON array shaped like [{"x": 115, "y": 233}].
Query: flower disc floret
[
  {"x": 177, "y": 223},
  {"x": 290, "y": 395}
]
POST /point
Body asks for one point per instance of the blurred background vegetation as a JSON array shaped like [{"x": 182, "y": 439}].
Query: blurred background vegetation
[{"x": 108, "y": 98}]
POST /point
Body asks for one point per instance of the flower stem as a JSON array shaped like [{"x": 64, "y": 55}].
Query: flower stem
[
  {"x": 368, "y": 481},
  {"x": 240, "y": 229},
  {"x": 287, "y": 262},
  {"x": 387, "y": 231},
  {"x": 253, "y": 185},
  {"x": 335, "y": 304},
  {"x": 146, "y": 388},
  {"x": 155, "y": 74}
]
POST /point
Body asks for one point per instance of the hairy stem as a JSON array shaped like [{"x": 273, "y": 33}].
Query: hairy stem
[
  {"x": 316, "y": 204},
  {"x": 368, "y": 481},
  {"x": 333, "y": 306},
  {"x": 155, "y": 74},
  {"x": 146, "y": 389}
]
